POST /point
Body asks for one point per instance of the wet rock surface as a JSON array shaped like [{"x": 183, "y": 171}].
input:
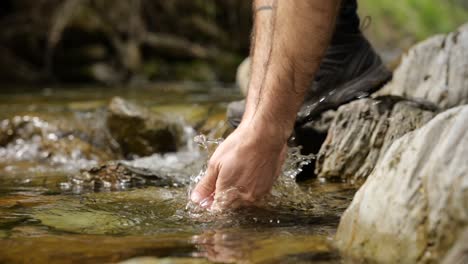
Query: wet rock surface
[
  {"x": 140, "y": 132},
  {"x": 414, "y": 205},
  {"x": 361, "y": 132},
  {"x": 108, "y": 175},
  {"x": 172, "y": 169},
  {"x": 435, "y": 70}
]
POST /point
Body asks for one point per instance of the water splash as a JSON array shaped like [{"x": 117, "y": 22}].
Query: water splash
[
  {"x": 207, "y": 145},
  {"x": 32, "y": 140},
  {"x": 293, "y": 165},
  {"x": 295, "y": 161},
  {"x": 204, "y": 142}
]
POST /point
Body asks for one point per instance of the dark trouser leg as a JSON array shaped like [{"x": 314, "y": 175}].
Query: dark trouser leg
[{"x": 348, "y": 19}]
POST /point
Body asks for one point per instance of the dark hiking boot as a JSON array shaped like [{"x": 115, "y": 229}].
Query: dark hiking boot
[{"x": 350, "y": 69}]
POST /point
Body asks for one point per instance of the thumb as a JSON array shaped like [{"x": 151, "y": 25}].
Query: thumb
[{"x": 206, "y": 186}]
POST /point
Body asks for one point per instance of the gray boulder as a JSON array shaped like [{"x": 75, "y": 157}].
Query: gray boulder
[
  {"x": 362, "y": 131},
  {"x": 435, "y": 70},
  {"x": 414, "y": 206}
]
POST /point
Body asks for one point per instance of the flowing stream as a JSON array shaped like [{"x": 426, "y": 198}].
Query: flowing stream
[{"x": 47, "y": 217}]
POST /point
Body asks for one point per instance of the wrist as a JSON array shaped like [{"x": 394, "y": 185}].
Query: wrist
[{"x": 265, "y": 130}]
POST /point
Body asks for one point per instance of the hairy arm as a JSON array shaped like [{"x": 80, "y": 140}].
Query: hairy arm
[{"x": 289, "y": 40}]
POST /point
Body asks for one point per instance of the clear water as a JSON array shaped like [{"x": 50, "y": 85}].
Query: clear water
[{"x": 46, "y": 219}]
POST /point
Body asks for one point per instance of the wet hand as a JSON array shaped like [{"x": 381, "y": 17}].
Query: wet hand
[{"x": 242, "y": 169}]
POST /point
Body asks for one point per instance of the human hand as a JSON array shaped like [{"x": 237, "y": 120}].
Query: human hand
[{"x": 242, "y": 169}]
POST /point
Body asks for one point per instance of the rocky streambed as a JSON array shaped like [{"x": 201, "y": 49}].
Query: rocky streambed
[{"x": 88, "y": 177}]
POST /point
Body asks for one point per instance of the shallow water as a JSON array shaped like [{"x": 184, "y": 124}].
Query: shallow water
[{"x": 45, "y": 219}]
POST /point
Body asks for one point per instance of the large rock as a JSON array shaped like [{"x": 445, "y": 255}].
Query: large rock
[
  {"x": 140, "y": 132},
  {"x": 414, "y": 205},
  {"x": 435, "y": 70},
  {"x": 361, "y": 132}
]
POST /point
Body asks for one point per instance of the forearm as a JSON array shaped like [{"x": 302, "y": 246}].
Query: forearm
[{"x": 290, "y": 38}]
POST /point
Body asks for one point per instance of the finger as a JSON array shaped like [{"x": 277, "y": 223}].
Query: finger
[
  {"x": 206, "y": 186},
  {"x": 207, "y": 202}
]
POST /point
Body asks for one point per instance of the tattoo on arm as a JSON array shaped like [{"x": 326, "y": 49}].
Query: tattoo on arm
[{"x": 264, "y": 8}]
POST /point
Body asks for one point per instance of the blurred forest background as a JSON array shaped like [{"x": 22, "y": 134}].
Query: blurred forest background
[{"x": 133, "y": 41}]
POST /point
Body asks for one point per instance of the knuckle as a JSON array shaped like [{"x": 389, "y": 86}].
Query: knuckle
[
  {"x": 210, "y": 183},
  {"x": 204, "y": 190}
]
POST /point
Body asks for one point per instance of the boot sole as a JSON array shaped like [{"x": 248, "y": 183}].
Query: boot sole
[{"x": 360, "y": 87}]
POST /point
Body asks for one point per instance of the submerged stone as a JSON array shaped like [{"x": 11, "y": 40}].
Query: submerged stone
[
  {"x": 86, "y": 221},
  {"x": 140, "y": 132},
  {"x": 28, "y": 231},
  {"x": 10, "y": 219},
  {"x": 154, "y": 260},
  {"x": 25, "y": 200},
  {"x": 141, "y": 211},
  {"x": 76, "y": 248}
]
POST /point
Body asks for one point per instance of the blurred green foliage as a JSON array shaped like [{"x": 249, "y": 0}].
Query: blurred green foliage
[
  {"x": 203, "y": 40},
  {"x": 402, "y": 22}
]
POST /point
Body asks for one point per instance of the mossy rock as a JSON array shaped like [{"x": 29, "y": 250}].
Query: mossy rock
[{"x": 82, "y": 221}]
